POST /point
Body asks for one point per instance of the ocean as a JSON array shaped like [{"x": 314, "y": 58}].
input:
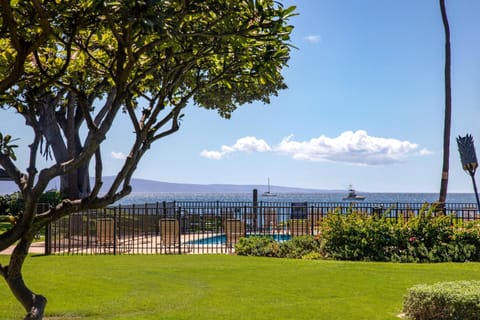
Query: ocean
[{"x": 142, "y": 198}]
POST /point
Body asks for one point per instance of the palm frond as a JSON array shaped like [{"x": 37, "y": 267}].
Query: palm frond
[{"x": 466, "y": 148}]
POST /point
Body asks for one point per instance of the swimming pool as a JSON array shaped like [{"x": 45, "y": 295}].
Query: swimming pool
[{"x": 222, "y": 239}]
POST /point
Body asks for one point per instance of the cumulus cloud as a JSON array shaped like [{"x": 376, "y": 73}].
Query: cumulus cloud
[
  {"x": 349, "y": 147},
  {"x": 246, "y": 144},
  {"x": 313, "y": 38},
  {"x": 118, "y": 155},
  {"x": 425, "y": 152}
]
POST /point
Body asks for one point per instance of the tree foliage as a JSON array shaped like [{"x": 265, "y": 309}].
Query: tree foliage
[{"x": 71, "y": 68}]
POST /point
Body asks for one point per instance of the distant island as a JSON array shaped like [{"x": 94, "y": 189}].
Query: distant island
[{"x": 144, "y": 185}]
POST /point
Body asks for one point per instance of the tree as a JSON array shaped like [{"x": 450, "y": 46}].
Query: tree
[
  {"x": 18, "y": 42},
  {"x": 144, "y": 60},
  {"x": 448, "y": 108}
]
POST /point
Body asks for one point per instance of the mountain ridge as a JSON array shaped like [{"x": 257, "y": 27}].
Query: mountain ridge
[
  {"x": 140, "y": 185},
  {"x": 145, "y": 185}
]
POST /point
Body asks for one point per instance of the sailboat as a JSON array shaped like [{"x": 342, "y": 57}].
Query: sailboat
[{"x": 268, "y": 193}]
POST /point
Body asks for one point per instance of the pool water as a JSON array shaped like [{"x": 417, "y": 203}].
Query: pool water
[{"x": 222, "y": 239}]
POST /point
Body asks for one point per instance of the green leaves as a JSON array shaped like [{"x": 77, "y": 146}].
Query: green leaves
[
  {"x": 184, "y": 49},
  {"x": 150, "y": 59},
  {"x": 424, "y": 238},
  {"x": 443, "y": 300},
  {"x": 6, "y": 146}
]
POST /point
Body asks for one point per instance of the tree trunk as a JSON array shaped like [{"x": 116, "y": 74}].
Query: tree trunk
[
  {"x": 448, "y": 108},
  {"x": 73, "y": 185},
  {"x": 83, "y": 182},
  {"x": 60, "y": 130},
  {"x": 34, "y": 304}
]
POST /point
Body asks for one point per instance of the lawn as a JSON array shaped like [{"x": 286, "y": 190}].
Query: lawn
[
  {"x": 4, "y": 226},
  {"x": 222, "y": 287}
]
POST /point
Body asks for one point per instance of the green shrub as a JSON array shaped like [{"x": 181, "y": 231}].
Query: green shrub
[
  {"x": 458, "y": 300},
  {"x": 299, "y": 247},
  {"x": 468, "y": 241},
  {"x": 11, "y": 204},
  {"x": 425, "y": 238},
  {"x": 302, "y": 247},
  {"x": 312, "y": 256},
  {"x": 357, "y": 236},
  {"x": 51, "y": 197},
  {"x": 362, "y": 237},
  {"x": 261, "y": 246}
]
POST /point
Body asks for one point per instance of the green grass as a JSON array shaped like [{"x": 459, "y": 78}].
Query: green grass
[
  {"x": 4, "y": 226},
  {"x": 222, "y": 287}
]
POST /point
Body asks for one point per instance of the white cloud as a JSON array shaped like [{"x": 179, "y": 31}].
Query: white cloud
[
  {"x": 246, "y": 144},
  {"x": 118, "y": 155},
  {"x": 216, "y": 155},
  {"x": 425, "y": 152},
  {"x": 251, "y": 144},
  {"x": 349, "y": 147},
  {"x": 313, "y": 38}
]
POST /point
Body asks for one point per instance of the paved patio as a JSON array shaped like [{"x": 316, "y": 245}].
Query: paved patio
[{"x": 35, "y": 248}]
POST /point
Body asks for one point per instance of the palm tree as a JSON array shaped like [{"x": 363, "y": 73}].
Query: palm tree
[{"x": 448, "y": 108}]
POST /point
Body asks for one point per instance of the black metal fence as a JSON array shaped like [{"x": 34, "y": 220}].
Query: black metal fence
[{"x": 207, "y": 227}]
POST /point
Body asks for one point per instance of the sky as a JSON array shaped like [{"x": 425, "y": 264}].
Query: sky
[{"x": 364, "y": 107}]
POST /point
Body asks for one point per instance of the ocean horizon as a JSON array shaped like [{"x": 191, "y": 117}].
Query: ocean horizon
[{"x": 153, "y": 197}]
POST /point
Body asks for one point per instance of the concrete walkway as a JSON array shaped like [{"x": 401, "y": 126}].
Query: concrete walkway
[{"x": 35, "y": 248}]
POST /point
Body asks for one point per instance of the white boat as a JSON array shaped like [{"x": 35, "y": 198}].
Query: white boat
[
  {"x": 352, "y": 195},
  {"x": 268, "y": 193}
]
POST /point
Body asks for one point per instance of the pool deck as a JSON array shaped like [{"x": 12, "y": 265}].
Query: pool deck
[
  {"x": 35, "y": 248},
  {"x": 148, "y": 244}
]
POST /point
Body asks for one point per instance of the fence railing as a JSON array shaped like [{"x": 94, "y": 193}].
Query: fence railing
[{"x": 208, "y": 227}]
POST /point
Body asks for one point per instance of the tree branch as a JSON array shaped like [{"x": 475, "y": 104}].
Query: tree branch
[
  {"x": 12, "y": 170},
  {"x": 98, "y": 174},
  {"x": 32, "y": 169}
]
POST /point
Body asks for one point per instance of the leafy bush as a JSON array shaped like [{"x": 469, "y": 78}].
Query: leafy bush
[
  {"x": 299, "y": 247},
  {"x": 262, "y": 246},
  {"x": 11, "y": 204},
  {"x": 425, "y": 238},
  {"x": 362, "y": 237},
  {"x": 357, "y": 236},
  {"x": 51, "y": 197},
  {"x": 444, "y": 301},
  {"x": 467, "y": 239},
  {"x": 312, "y": 256}
]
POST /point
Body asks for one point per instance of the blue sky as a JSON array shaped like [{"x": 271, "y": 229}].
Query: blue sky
[{"x": 364, "y": 106}]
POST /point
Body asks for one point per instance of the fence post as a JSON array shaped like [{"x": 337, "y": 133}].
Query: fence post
[
  {"x": 48, "y": 239},
  {"x": 255, "y": 207},
  {"x": 396, "y": 212},
  {"x": 312, "y": 227},
  {"x": 115, "y": 222},
  {"x": 245, "y": 222},
  {"x": 179, "y": 230}
]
